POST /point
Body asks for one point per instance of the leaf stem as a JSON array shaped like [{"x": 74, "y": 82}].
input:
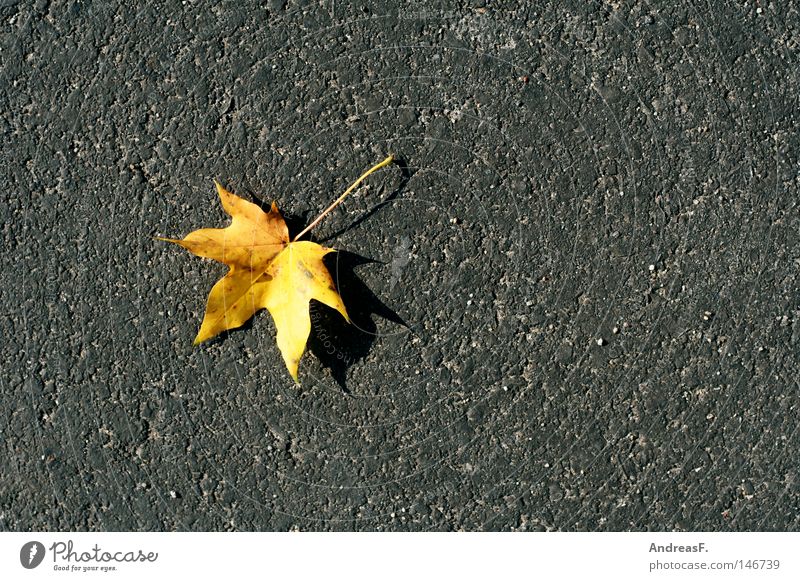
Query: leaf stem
[{"x": 339, "y": 200}]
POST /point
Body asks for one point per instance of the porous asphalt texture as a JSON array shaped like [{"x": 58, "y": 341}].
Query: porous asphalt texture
[{"x": 575, "y": 298}]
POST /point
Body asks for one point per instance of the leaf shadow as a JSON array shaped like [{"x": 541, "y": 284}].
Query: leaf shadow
[
  {"x": 337, "y": 344},
  {"x": 405, "y": 176},
  {"x": 296, "y": 222}
]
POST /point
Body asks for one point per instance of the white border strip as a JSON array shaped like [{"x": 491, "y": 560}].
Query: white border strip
[{"x": 401, "y": 556}]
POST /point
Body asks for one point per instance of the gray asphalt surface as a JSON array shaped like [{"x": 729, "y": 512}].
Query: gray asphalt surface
[{"x": 576, "y": 305}]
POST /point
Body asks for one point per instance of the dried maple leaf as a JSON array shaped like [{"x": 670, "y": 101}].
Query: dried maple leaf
[{"x": 267, "y": 271}]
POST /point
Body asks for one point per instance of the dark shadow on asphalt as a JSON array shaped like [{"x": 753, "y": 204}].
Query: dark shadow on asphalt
[
  {"x": 335, "y": 342},
  {"x": 296, "y": 223},
  {"x": 405, "y": 177}
]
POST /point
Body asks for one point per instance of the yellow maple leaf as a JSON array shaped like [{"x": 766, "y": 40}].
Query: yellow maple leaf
[{"x": 267, "y": 271}]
